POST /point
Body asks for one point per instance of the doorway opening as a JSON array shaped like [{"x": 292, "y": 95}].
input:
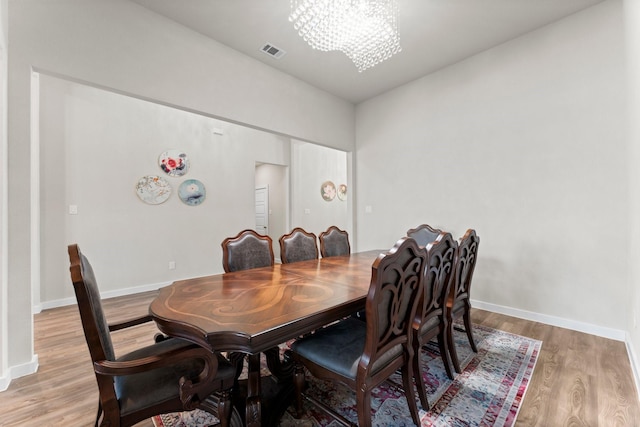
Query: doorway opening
[{"x": 271, "y": 202}]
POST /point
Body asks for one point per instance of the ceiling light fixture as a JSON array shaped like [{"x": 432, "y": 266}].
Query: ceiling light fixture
[{"x": 365, "y": 30}]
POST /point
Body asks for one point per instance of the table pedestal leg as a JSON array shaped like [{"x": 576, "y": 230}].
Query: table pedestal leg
[{"x": 253, "y": 410}]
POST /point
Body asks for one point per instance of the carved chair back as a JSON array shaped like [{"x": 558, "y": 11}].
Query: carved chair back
[
  {"x": 424, "y": 234},
  {"x": 299, "y": 245},
  {"x": 392, "y": 301},
  {"x": 247, "y": 250},
  {"x": 334, "y": 242},
  {"x": 431, "y": 318},
  {"x": 94, "y": 322},
  {"x": 439, "y": 274},
  {"x": 467, "y": 255}
]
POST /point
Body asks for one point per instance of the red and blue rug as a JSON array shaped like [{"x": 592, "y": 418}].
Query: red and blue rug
[{"x": 488, "y": 392}]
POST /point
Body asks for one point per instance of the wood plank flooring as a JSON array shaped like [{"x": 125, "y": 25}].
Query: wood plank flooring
[{"x": 579, "y": 380}]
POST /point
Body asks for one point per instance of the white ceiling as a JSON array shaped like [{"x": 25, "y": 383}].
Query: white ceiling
[{"x": 433, "y": 34}]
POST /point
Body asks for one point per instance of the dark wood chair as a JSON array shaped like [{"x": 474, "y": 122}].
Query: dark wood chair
[
  {"x": 431, "y": 319},
  {"x": 246, "y": 250},
  {"x": 299, "y": 245},
  {"x": 424, "y": 234},
  {"x": 334, "y": 242},
  {"x": 459, "y": 304},
  {"x": 170, "y": 375},
  {"x": 361, "y": 354}
]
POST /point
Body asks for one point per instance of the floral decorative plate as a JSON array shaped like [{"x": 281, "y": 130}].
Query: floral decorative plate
[
  {"x": 192, "y": 192},
  {"x": 174, "y": 162},
  {"x": 153, "y": 189},
  {"x": 342, "y": 192},
  {"x": 328, "y": 191}
]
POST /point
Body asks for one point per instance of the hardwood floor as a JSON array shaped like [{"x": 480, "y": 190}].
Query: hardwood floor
[{"x": 579, "y": 380}]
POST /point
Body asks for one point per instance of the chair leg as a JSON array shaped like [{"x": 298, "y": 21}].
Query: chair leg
[
  {"x": 417, "y": 374},
  {"x": 452, "y": 347},
  {"x": 298, "y": 383},
  {"x": 469, "y": 328},
  {"x": 363, "y": 405},
  {"x": 99, "y": 413},
  {"x": 444, "y": 351},
  {"x": 407, "y": 380}
]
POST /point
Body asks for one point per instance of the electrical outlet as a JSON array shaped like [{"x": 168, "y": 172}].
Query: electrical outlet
[{"x": 172, "y": 265}]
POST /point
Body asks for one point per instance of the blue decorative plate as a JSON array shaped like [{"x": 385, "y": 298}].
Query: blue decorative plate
[{"x": 192, "y": 192}]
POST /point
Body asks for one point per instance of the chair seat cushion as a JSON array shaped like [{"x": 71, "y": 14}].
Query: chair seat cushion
[
  {"x": 149, "y": 388},
  {"x": 458, "y": 307},
  {"x": 429, "y": 324},
  {"x": 337, "y": 347}
]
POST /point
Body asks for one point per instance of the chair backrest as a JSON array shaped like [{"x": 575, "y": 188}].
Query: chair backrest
[
  {"x": 94, "y": 322},
  {"x": 334, "y": 242},
  {"x": 247, "y": 250},
  {"x": 467, "y": 255},
  {"x": 396, "y": 284},
  {"x": 299, "y": 245},
  {"x": 424, "y": 234},
  {"x": 439, "y": 275}
]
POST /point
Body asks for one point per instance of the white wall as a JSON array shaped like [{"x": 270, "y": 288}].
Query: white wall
[
  {"x": 632, "y": 31},
  {"x": 96, "y": 145},
  {"x": 525, "y": 143},
  {"x": 4, "y": 346},
  {"x": 311, "y": 166},
  {"x": 121, "y": 46}
]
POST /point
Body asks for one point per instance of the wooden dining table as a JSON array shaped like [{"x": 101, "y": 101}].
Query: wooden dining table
[{"x": 250, "y": 312}]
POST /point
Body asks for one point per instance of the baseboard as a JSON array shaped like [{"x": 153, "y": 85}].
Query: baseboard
[
  {"x": 37, "y": 308},
  {"x": 588, "y": 328},
  {"x": 19, "y": 371}
]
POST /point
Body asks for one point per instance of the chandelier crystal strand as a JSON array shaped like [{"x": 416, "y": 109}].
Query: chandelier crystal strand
[{"x": 365, "y": 30}]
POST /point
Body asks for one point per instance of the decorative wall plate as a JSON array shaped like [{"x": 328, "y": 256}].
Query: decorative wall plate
[
  {"x": 192, "y": 192},
  {"x": 328, "y": 191},
  {"x": 174, "y": 162},
  {"x": 153, "y": 189},
  {"x": 342, "y": 192}
]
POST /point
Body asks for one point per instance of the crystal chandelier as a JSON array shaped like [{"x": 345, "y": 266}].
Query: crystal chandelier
[{"x": 365, "y": 30}]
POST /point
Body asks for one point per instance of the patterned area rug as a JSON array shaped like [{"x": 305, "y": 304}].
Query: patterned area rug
[{"x": 488, "y": 392}]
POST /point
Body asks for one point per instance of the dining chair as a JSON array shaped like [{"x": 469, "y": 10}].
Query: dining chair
[
  {"x": 170, "y": 375},
  {"x": 246, "y": 250},
  {"x": 431, "y": 319},
  {"x": 334, "y": 242},
  {"x": 424, "y": 234},
  {"x": 299, "y": 245},
  {"x": 360, "y": 354},
  {"x": 459, "y": 304}
]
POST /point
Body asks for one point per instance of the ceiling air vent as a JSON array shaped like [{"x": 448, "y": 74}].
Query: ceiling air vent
[{"x": 273, "y": 51}]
